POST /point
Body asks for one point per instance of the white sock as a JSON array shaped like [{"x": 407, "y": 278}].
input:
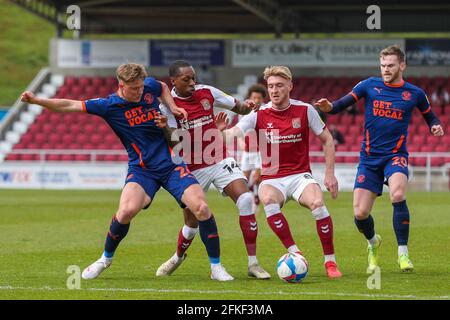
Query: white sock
[
  {"x": 373, "y": 241},
  {"x": 330, "y": 257},
  {"x": 105, "y": 259},
  {"x": 252, "y": 260},
  {"x": 293, "y": 249},
  {"x": 215, "y": 266},
  {"x": 188, "y": 232},
  {"x": 402, "y": 250}
]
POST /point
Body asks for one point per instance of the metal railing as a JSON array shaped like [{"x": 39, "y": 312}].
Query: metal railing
[{"x": 428, "y": 169}]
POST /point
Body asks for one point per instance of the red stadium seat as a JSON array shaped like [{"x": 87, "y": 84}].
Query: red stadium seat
[
  {"x": 84, "y": 81},
  {"x": 71, "y": 81},
  {"x": 12, "y": 157},
  {"x": 82, "y": 157},
  {"x": 418, "y": 140},
  {"x": 53, "y": 157},
  {"x": 98, "y": 82}
]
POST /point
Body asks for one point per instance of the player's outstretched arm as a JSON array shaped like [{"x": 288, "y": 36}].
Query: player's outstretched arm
[
  {"x": 245, "y": 107},
  {"x": 437, "y": 130},
  {"x": 57, "y": 105},
  {"x": 330, "y": 181},
  {"x": 337, "y": 106}
]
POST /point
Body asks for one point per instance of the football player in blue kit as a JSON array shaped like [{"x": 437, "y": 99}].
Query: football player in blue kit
[
  {"x": 389, "y": 103},
  {"x": 131, "y": 113}
]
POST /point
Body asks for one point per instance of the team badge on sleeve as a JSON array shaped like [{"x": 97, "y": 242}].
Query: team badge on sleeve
[{"x": 296, "y": 123}]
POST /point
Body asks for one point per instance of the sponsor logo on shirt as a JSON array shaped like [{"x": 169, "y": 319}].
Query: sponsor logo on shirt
[
  {"x": 384, "y": 109},
  {"x": 200, "y": 122},
  {"x": 138, "y": 115}
]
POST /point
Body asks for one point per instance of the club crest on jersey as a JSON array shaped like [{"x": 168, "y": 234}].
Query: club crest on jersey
[
  {"x": 148, "y": 98},
  {"x": 296, "y": 123},
  {"x": 406, "y": 95},
  {"x": 205, "y": 103},
  {"x": 361, "y": 178}
]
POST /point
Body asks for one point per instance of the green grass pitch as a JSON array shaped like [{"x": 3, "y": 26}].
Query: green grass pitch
[{"x": 42, "y": 233}]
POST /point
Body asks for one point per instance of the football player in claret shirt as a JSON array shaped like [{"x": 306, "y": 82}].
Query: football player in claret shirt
[
  {"x": 389, "y": 103},
  {"x": 286, "y": 172},
  {"x": 205, "y": 154},
  {"x": 251, "y": 159},
  {"x": 131, "y": 113}
]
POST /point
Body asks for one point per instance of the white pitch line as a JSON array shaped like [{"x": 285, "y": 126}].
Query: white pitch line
[{"x": 282, "y": 293}]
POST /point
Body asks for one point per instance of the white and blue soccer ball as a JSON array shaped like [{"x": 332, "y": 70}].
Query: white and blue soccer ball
[{"x": 292, "y": 267}]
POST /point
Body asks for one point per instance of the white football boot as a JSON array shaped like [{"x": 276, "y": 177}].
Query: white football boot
[
  {"x": 168, "y": 267},
  {"x": 94, "y": 270},
  {"x": 219, "y": 273}
]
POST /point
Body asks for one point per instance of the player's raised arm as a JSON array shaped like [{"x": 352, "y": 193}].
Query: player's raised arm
[
  {"x": 57, "y": 105},
  {"x": 167, "y": 99}
]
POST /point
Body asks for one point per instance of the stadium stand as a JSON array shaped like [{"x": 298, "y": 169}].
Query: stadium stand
[{"x": 80, "y": 137}]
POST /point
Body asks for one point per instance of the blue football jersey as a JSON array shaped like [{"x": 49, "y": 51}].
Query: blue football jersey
[
  {"x": 133, "y": 123},
  {"x": 388, "y": 110}
]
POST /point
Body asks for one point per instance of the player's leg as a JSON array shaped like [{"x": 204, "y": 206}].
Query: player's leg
[
  {"x": 272, "y": 197},
  {"x": 190, "y": 227},
  {"x": 247, "y": 167},
  {"x": 311, "y": 197},
  {"x": 397, "y": 174},
  {"x": 185, "y": 188},
  {"x": 238, "y": 191},
  {"x": 363, "y": 201},
  {"x": 185, "y": 238},
  {"x": 194, "y": 198},
  {"x": 368, "y": 186},
  {"x": 132, "y": 200}
]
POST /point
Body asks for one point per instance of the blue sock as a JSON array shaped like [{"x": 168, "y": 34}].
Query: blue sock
[
  {"x": 367, "y": 227},
  {"x": 210, "y": 237},
  {"x": 400, "y": 221},
  {"x": 117, "y": 232}
]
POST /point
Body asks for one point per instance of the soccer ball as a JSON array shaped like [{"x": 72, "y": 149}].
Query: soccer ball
[{"x": 292, "y": 267}]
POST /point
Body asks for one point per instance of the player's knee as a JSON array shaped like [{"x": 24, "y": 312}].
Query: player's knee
[
  {"x": 126, "y": 214},
  {"x": 316, "y": 203},
  {"x": 360, "y": 212},
  {"x": 268, "y": 199},
  {"x": 245, "y": 203},
  {"x": 202, "y": 213},
  {"x": 397, "y": 196}
]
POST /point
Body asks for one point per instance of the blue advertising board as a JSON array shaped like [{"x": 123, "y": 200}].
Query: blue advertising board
[
  {"x": 428, "y": 52},
  {"x": 196, "y": 52}
]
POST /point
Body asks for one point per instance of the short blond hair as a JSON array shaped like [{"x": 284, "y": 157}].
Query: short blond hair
[
  {"x": 393, "y": 50},
  {"x": 130, "y": 72},
  {"x": 280, "y": 71}
]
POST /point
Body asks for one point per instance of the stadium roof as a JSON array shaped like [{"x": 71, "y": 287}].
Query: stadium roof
[{"x": 243, "y": 16}]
